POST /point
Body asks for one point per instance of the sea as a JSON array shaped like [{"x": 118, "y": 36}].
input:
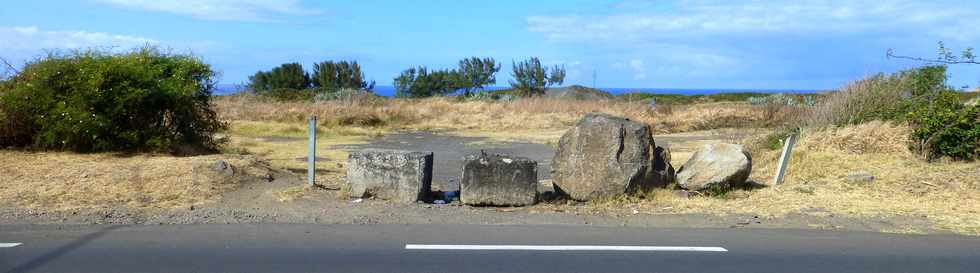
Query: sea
[{"x": 389, "y": 91}]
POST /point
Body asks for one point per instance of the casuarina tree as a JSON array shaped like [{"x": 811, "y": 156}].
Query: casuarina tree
[{"x": 531, "y": 78}]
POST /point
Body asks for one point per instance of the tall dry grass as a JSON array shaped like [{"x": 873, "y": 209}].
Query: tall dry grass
[
  {"x": 871, "y": 98},
  {"x": 530, "y": 114}
]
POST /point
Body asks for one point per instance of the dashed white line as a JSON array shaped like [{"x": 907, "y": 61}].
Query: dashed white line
[
  {"x": 565, "y": 248},
  {"x": 6, "y": 245}
]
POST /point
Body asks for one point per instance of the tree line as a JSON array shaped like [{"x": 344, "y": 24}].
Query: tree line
[
  {"x": 326, "y": 76},
  {"x": 530, "y": 78}
]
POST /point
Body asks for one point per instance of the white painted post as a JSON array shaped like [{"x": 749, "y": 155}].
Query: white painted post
[
  {"x": 784, "y": 159},
  {"x": 311, "y": 157}
]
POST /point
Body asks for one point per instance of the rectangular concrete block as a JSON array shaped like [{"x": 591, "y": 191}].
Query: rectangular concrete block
[
  {"x": 499, "y": 180},
  {"x": 402, "y": 176}
]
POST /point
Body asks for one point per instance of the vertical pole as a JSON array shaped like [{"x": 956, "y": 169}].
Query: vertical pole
[
  {"x": 784, "y": 159},
  {"x": 311, "y": 157}
]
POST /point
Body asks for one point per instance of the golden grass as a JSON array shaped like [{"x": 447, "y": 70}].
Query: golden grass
[
  {"x": 507, "y": 119},
  {"x": 64, "y": 181},
  {"x": 946, "y": 193}
]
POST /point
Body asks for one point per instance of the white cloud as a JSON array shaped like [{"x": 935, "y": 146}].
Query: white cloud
[
  {"x": 222, "y": 10},
  {"x": 683, "y": 19},
  {"x": 32, "y": 38}
]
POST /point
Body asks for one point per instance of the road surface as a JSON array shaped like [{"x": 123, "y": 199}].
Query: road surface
[{"x": 466, "y": 248}]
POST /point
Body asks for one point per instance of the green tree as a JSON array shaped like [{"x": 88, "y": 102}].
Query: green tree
[
  {"x": 334, "y": 76},
  {"x": 531, "y": 78},
  {"x": 475, "y": 73},
  {"x": 421, "y": 82},
  {"x": 286, "y": 76}
]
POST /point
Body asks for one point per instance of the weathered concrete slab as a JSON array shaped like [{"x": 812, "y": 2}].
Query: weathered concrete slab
[
  {"x": 498, "y": 180},
  {"x": 403, "y": 176}
]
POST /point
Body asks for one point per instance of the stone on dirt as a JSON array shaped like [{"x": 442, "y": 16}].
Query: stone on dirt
[
  {"x": 402, "y": 176},
  {"x": 719, "y": 165},
  {"x": 604, "y": 156},
  {"x": 860, "y": 177},
  {"x": 498, "y": 180}
]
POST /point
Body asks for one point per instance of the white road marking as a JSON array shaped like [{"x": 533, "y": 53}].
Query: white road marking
[
  {"x": 565, "y": 248},
  {"x": 5, "y": 245}
]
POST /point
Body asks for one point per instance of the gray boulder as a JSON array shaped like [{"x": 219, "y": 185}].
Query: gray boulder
[
  {"x": 663, "y": 171},
  {"x": 603, "y": 156},
  {"x": 715, "y": 165},
  {"x": 402, "y": 176},
  {"x": 498, "y": 180}
]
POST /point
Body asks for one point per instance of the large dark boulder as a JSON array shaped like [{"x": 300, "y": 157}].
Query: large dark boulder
[
  {"x": 718, "y": 165},
  {"x": 498, "y": 180},
  {"x": 402, "y": 176},
  {"x": 604, "y": 156}
]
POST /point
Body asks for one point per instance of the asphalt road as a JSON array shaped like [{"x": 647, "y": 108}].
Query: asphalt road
[{"x": 382, "y": 248}]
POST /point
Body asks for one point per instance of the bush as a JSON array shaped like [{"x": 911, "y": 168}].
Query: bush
[
  {"x": 94, "y": 100},
  {"x": 286, "y": 76},
  {"x": 334, "y": 76},
  {"x": 945, "y": 127},
  {"x": 941, "y": 124}
]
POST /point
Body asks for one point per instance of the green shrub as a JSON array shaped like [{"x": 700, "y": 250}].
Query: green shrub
[
  {"x": 286, "y": 76},
  {"x": 945, "y": 127},
  {"x": 92, "y": 100},
  {"x": 334, "y": 76}
]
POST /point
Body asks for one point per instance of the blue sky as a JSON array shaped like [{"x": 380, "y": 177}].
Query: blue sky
[{"x": 803, "y": 44}]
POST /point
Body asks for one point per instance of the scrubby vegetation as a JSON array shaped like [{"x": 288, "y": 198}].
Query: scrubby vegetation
[
  {"x": 751, "y": 97},
  {"x": 942, "y": 126},
  {"x": 531, "y": 78},
  {"x": 290, "y": 82},
  {"x": 94, "y": 100},
  {"x": 472, "y": 74}
]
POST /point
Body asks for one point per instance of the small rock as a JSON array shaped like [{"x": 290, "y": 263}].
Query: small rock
[
  {"x": 682, "y": 194},
  {"x": 191, "y": 207},
  {"x": 862, "y": 177},
  {"x": 807, "y": 189},
  {"x": 222, "y": 167}
]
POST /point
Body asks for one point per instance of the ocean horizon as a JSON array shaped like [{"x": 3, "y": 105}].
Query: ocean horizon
[{"x": 389, "y": 91}]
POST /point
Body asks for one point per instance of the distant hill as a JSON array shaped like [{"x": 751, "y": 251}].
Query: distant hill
[{"x": 577, "y": 92}]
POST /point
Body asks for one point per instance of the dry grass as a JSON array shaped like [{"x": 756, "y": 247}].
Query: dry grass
[
  {"x": 947, "y": 193},
  {"x": 508, "y": 120},
  {"x": 284, "y": 146},
  {"x": 65, "y": 181},
  {"x": 870, "y": 98}
]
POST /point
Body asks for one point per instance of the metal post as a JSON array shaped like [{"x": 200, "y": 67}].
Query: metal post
[
  {"x": 311, "y": 158},
  {"x": 784, "y": 159}
]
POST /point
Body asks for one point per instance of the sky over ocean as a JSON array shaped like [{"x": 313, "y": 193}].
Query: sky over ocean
[{"x": 688, "y": 44}]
